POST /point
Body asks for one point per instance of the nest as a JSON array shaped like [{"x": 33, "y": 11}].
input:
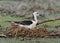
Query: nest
[{"x": 17, "y": 31}]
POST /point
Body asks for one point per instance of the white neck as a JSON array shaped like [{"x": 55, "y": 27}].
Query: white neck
[{"x": 35, "y": 18}]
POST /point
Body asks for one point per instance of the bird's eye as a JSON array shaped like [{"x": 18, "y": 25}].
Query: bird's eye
[{"x": 37, "y": 13}]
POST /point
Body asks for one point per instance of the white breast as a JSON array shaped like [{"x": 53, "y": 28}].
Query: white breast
[{"x": 32, "y": 25}]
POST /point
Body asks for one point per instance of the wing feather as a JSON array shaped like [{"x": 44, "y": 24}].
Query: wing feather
[{"x": 24, "y": 22}]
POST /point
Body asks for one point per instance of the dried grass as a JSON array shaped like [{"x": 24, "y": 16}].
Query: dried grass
[{"x": 17, "y": 31}]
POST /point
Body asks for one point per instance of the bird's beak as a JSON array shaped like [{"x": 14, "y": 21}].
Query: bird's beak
[{"x": 40, "y": 15}]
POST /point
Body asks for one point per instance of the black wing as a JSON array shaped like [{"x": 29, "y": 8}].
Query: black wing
[
  {"x": 37, "y": 24},
  {"x": 24, "y": 22}
]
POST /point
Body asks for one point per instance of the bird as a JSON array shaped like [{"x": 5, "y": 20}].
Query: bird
[{"x": 28, "y": 23}]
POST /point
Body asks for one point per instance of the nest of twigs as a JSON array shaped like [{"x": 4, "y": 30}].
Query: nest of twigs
[{"x": 17, "y": 31}]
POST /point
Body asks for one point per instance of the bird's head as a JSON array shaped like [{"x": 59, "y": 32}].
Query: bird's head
[{"x": 36, "y": 13}]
